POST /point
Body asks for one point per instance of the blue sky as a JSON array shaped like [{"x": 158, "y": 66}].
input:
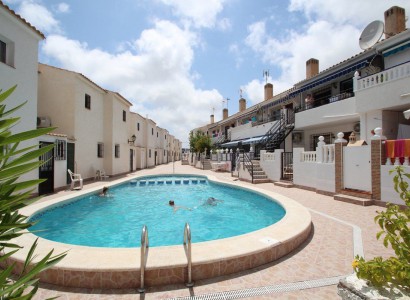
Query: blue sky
[{"x": 176, "y": 60}]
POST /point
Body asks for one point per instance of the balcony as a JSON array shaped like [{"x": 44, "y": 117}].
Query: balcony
[
  {"x": 384, "y": 90},
  {"x": 332, "y": 112},
  {"x": 381, "y": 78}
]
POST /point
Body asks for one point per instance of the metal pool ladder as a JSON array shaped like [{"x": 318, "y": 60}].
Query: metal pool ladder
[
  {"x": 144, "y": 247},
  {"x": 187, "y": 246}
]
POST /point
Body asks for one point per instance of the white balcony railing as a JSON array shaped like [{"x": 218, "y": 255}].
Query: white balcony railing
[
  {"x": 323, "y": 154},
  {"x": 308, "y": 156},
  {"x": 392, "y": 74}
]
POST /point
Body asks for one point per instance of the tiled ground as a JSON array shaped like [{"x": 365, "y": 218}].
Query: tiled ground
[{"x": 328, "y": 252}]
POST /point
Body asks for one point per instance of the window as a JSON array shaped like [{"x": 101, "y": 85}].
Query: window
[
  {"x": 3, "y": 49},
  {"x": 87, "y": 101},
  {"x": 164, "y": 152},
  {"x": 152, "y": 131},
  {"x": 149, "y": 153},
  {"x": 157, "y": 134},
  {"x": 138, "y": 126},
  {"x": 100, "y": 150},
  {"x": 314, "y": 139},
  {"x": 117, "y": 150},
  {"x": 60, "y": 150},
  {"x": 124, "y": 115},
  {"x": 165, "y": 136}
]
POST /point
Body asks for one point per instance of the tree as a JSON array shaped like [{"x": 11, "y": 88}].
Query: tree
[
  {"x": 14, "y": 195},
  {"x": 394, "y": 224},
  {"x": 199, "y": 141}
]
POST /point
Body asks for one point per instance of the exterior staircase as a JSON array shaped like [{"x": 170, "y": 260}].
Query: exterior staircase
[
  {"x": 274, "y": 137},
  {"x": 259, "y": 175},
  {"x": 207, "y": 164}
]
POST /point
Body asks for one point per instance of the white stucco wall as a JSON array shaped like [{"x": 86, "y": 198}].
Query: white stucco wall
[
  {"x": 337, "y": 112},
  {"x": 248, "y": 131},
  {"x": 320, "y": 176},
  {"x": 271, "y": 164},
  {"x": 22, "y": 41},
  {"x": 388, "y": 194},
  {"x": 116, "y": 132}
]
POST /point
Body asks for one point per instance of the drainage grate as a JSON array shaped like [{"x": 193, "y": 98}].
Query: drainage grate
[{"x": 270, "y": 289}]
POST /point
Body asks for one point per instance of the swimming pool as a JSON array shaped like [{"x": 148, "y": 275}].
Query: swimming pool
[
  {"x": 116, "y": 221},
  {"x": 106, "y": 268}
]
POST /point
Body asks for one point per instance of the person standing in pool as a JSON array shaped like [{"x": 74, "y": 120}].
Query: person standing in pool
[{"x": 104, "y": 192}]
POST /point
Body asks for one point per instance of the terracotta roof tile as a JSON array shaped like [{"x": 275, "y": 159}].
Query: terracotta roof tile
[{"x": 12, "y": 12}]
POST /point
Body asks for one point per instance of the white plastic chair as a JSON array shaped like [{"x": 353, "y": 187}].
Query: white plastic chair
[
  {"x": 100, "y": 175},
  {"x": 75, "y": 180}
]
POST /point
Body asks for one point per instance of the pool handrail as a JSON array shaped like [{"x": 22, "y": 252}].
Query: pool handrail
[
  {"x": 187, "y": 246},
  {"x": 144, "y": 247}
]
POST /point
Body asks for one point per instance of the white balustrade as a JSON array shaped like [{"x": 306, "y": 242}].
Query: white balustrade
[
  {"x": 388, "y": 75},
  {"x": 329, "y": 154},
  {"x": 308, "y": 156}
]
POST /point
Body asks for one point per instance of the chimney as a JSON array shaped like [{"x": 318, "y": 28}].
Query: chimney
[
  {"x": 312, "y": 68},
  {"x": 268, "y": 91},
  {"x": 212, "y": 119},
  {"x": 394, "y": 21},
  {"x": 224, "y": 113},
  {"x": 242, "y": 105}
]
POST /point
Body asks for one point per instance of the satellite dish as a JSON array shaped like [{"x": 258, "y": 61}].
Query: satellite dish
[{"x": 371, "y": 34}]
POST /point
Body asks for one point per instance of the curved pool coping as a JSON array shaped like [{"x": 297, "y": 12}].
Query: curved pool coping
[{"x": 92, "y": 267}]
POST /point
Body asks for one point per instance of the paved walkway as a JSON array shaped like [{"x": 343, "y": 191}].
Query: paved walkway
[{"x": 328, "y": 252}]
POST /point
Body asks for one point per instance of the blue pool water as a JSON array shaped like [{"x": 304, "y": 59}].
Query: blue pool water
[{"x": 117, "y": 220}]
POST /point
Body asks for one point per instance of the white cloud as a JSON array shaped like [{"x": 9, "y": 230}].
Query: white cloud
[
  {"x": 331, "y": 35},
  {"x": 236, "y": 52},
  {"x": 200, "y": 13},
  {"x": 154, "y": 74},
  {"x": 39, "y": 16},
  {"x": 357, "y": 13},
  {"x": 224, "y": 24},
  {"x": 254, "y": 91},
  {"x": 63, "y": 7}
]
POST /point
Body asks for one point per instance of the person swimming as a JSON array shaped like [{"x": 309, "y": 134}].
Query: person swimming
[
  {"x": 212, "y": 201},
  {"x": 172, "y": 204}
]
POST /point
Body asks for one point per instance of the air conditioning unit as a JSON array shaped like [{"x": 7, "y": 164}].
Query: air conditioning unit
[{"x": 43, "y": 122}]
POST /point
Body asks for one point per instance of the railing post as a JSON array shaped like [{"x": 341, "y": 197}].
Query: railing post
[
  {"x": 187, "y": 245},
  {"x": 144, "y": 247}
]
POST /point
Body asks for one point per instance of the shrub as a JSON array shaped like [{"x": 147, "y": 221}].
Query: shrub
[
  {"x": 394, "y": 224},
  {"x": 14, "y": 195}
]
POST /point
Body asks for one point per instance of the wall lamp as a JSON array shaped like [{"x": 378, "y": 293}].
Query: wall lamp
[{"x": 132, "y": 140}]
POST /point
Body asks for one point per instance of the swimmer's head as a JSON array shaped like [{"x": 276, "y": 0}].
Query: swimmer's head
[{"x": 171, "y": 202}]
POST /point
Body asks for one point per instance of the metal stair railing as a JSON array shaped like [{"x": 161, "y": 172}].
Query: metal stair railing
[
  {"x": 279, "y": 131},
  {"x": 187, "y": 246},
  {"x": 247, "y": 163},
  {"x": 144, "y": 247}
]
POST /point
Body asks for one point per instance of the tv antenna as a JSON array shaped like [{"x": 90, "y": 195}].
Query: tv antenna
[
  {"x": 213, "y": 110},
  {"x": 223, "y": 102},
  {"x": 266, "y": 75},
  {"x": 371, "y": 34},
  {"x": 240, "y": 93}
]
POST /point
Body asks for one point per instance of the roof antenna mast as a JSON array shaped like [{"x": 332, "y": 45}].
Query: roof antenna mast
[{"x": 266, "y": 75}]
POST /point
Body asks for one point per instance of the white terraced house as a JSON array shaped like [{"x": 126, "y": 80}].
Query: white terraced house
[
  {"x": 294, "y": 133},
  {"x": 102, "y": 133},
  {"x": 19, "y": 42}
]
